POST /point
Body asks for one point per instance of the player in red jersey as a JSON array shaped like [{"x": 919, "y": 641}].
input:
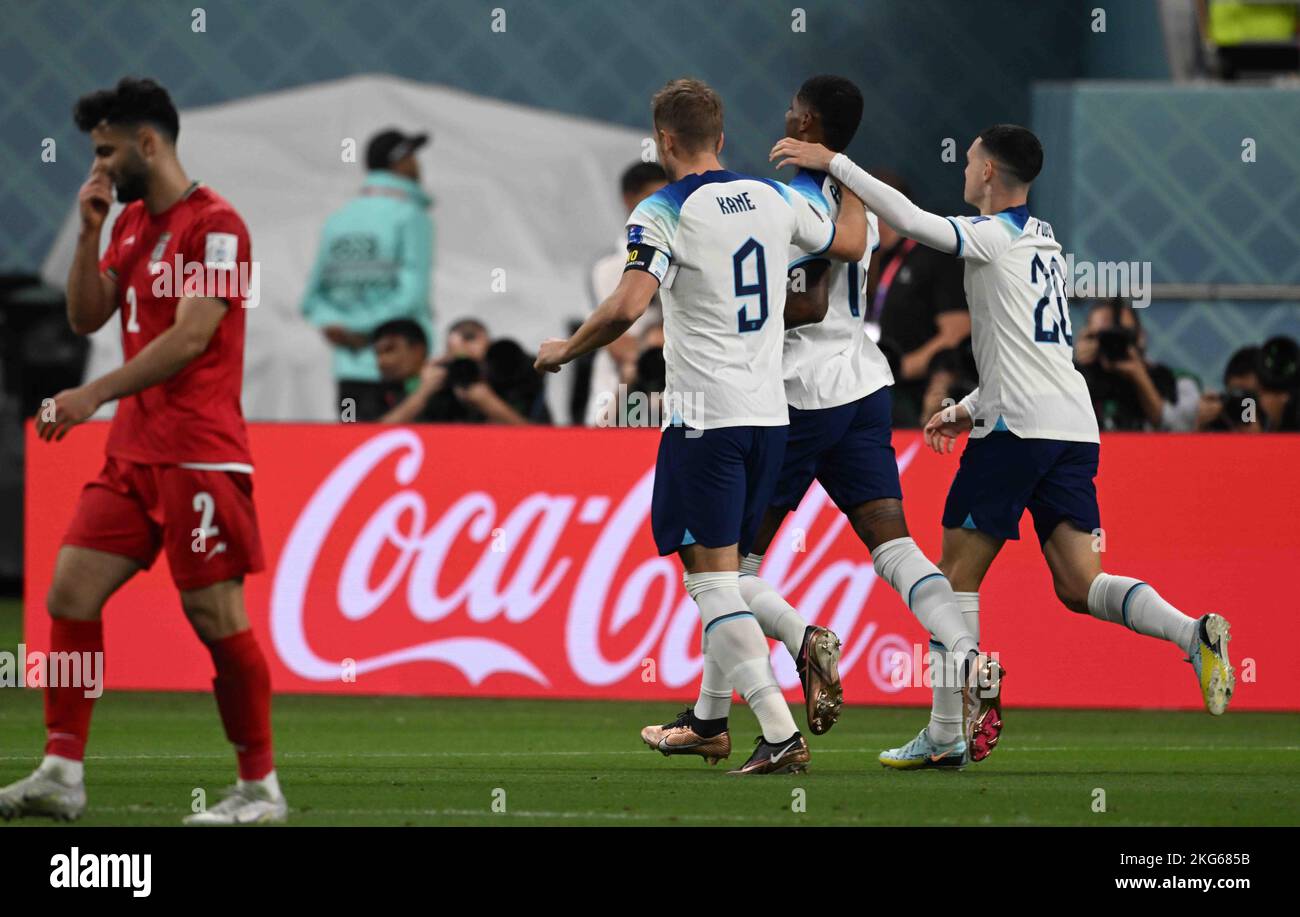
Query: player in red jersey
[{"x": 178, "y": 474}]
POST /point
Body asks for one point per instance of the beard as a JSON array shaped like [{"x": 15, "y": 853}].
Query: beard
[{"x": 132, "y": 184}]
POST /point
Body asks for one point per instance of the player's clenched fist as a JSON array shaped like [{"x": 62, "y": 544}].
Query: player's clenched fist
[
  {"x": 944, "y": 427},
  {"x": 95, "y": 198},
  {"x": 551, "y": 356},
  {"x": 64, "y": 411},
  {"x": 793, "y": 152}
]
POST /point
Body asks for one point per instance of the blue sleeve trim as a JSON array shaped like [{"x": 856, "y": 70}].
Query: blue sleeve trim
[{"x": 961, "y": 243}]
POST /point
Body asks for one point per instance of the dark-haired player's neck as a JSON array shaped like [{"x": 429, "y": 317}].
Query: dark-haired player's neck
[
  {"x": 813, "y": 133},
  {"x": 168, "y": 183}
]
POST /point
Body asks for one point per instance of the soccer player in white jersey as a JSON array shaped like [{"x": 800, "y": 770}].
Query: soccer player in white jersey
[
  {"x": 714, "y": 244},
  {"x": 1033, "y": 434},
  {"x": 837, "y": 385}
]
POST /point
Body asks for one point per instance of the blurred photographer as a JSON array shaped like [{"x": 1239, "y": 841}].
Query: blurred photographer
[
  {"x": 1236, "y": 408},
  {"x": 374, "y": 264},
  {"x": 1129, "y": 393},
  {"x": 1279, "y": 384},
  {"x": 475, "y": 381}
]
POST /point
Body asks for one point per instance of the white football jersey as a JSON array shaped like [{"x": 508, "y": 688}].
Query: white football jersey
[
  {"x": 718, "y": 244},
  {"x": 1020, "y": 330},
  {"x": 834, "y": 361}
]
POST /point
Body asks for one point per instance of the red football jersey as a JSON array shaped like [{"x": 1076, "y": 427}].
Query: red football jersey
[{"x": 199, "y": 247}]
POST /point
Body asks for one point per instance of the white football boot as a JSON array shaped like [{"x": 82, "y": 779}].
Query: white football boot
[
  {"x": 256, "y": 802},
  {"x": 923, "y": 752},
  {"x": 47, "y": 791}
]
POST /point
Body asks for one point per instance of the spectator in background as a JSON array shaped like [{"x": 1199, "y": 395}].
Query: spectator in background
[
  {"x": 475, "y": 381},
  {"x": 616, "y": 363},
  {"x": 953, "y": 376},
  {"x": 1128, "y": 392},
  {"x": 1279, "y": 379},
  {"x": 916, "y": 301},
  {"x": 1236, "y": 408},
  {"x": 373, "y": 266}
]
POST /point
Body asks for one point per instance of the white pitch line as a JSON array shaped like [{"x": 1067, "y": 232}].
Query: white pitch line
[
  {"x": 381, "y": 755},
  {"x": 606, "y": 816}
]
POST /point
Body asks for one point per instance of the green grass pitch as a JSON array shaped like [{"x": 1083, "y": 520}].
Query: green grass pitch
[{"x": 412, "y": 761}]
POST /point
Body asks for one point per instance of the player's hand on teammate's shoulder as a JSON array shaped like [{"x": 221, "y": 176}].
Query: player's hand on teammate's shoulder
[
  {"x": 64, "y": 411},
  {"x": 793, "y": 152},
  {"x": 945, "y": 426},
  {"x": 551, "y": 355},
  {"x": 95, "y": 198}
]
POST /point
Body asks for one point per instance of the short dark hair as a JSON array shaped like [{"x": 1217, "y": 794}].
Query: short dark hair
[
  {"x": 132, "y": 101},
  {"x": 405, "y": 328},
  {"x": 1242, "y": 363},
  {"x": 461, "y": 324},
  {"x": 691, "y": 110},
  {"x": 1279, "y": 364},
  {"x": 640, "y": 174},
  {"x": 838, "y": 102},
  {"x": 1016, "y": 148}
]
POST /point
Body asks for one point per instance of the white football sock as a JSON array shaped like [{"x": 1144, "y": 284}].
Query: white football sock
[
  {"x": 750, "y": 563},
  {"x": 945, "y": 707},
  {"x": 714, "y": 701},
  {"x": 64, "y": 770},
  {"x": 733, "y": 638},
  {"x": 926, "y": 591},
  {"x": 1134, "y": 604},
  {"x": 775, "y": 615},
  {"x": 270, "y": 783}
]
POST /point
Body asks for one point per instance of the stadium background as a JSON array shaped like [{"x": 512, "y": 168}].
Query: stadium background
[
  {"x": 1136, "y": 167},
  {"x": 965, "y": 65}
]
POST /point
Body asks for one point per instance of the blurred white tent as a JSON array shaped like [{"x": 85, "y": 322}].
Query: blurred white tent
[{"x": 519, "y": 190}]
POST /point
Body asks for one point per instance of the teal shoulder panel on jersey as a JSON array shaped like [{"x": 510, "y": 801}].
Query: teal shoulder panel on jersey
[
  {"x": 1014, "y": 218},
  {"x": 660, "y": 209},
  {"x": 809, "y": 184}
]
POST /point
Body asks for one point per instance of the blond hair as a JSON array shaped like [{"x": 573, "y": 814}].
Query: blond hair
[{"x": 691, "y": 111}]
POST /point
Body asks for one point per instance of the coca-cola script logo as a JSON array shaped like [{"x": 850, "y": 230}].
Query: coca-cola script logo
[{"x": 535, "y": 540}]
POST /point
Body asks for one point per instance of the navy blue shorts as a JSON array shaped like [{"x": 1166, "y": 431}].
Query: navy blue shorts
[
  {"x": 713, "y": 486},
  {"x": 1002, "y": 475},
  {"x": 847, "y": 448}
]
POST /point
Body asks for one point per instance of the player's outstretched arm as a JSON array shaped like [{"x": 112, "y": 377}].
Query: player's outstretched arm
[
  {"x": 890, "y": 205},
  {"x": 612, "y": 317},
  {"x": 197, "y": 319}
]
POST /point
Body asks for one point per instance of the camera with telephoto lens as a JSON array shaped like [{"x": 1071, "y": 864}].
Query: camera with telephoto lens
[
  {"x": 1114, "y": 343},
  {"x": 1236, "y": 403},
  {"x": 462, "y": 371}
]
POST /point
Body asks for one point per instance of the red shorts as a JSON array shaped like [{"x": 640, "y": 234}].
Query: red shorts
[{"x": 203, "y": 519}]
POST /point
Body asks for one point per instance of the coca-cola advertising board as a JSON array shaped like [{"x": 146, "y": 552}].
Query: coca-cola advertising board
[{"x": 518, "y": 562}]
